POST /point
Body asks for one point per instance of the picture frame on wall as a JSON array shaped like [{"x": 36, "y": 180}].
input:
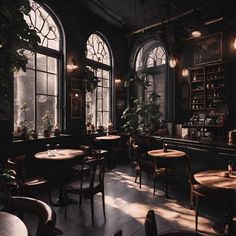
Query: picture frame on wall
[
  {"x": 76, "y": 106},
  {"x": 208, "y": 49},
  {"x": 75, "y": 83}
]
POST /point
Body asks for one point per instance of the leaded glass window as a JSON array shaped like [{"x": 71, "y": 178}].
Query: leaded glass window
[
  {"x": 38, "y": 87},
  {"x": 151, "y": 60},
  {"x": 98, "y": 103}
]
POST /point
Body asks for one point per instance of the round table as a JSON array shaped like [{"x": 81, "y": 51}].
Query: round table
[
  {"x": 220, "y": 179},
  {"x": 169, "y": 154},
  {"x": 108, "y": 143},
  {"x": 108, "y": 137},
  {"x": 11, "y": 225},
  {"x": 60, "y": 157}
]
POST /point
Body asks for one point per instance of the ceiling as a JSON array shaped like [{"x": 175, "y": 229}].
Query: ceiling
[{"x": 133, "y": 15}]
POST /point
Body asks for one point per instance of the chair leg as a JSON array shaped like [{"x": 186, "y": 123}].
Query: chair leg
[
  {"x": 196, "y": 212},
  {"x": 92, "y": 208},
  {"x": 140, "y": 178},
  {"x": 154, "y": 185},
  {"x": 103, "y": 204},
  {"x": 191, "y": 199}
]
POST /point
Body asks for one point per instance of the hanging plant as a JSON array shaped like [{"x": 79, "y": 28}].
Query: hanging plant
[
  {"x": 138, "y": 79},
  {"x": 90, "y": 81}
]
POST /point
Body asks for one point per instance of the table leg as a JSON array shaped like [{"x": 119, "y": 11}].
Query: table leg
[{"x": 166, "y": 183}]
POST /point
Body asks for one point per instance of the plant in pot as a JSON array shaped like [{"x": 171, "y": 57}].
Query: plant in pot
[
  {"x": 6, "y": 176},
  {"x": 142, "y": 117},
  {"x": 90, "y": 81},
  {"x": 15, "y": 36},
  {"x": 47, "y": 125}
]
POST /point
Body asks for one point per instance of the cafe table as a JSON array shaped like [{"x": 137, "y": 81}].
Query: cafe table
[
  {"x": 11, "y": 225},
  {"x": 166, "y": 155},
  {"x": 221, "y": 180},
  {"x": 61, "y": 157},
  {"x": 108, "y": 143}
]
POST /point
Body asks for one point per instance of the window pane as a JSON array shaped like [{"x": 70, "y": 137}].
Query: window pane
[
  {"x": 105, "y": 119},
  {"x": 41, "y": 62},
  {"x": 44, "y": 104},
  {"x": 31, "y": 59},
  {"x": 99, "y": 104},
  {"x": 105, "y": 82},
  {"x": 52, "y": 65},
  {"x": 106, "y": 101},
  {"x": 52, "y": 84},
  {"x": 41, "y": 83},
  {"x": 24, "y": 94}
]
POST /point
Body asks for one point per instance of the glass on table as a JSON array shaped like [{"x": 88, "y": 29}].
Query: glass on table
[
  {"x": 58, "y": 148},
  {"x": 49, "y": 149}
]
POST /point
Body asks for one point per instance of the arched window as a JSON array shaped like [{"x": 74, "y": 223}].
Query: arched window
[
  {"x": 151, "y": 61},
  {"x": 36, "y": 91},
  {"x": 98, "y": 102}
]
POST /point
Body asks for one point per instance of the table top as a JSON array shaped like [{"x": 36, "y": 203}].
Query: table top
[
  {"x": 169, "y": 153},
  {"x": 11, "y": 225},
  {"x": 59, "y": 155},
  {"x": 108, "y": 137},
  {"x": 219, "y": 179}
]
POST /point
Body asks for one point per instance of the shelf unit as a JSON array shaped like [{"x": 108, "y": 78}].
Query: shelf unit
[{"x": 208, "y": 87}]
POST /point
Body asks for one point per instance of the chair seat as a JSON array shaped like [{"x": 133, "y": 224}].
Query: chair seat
[{"x": 36, "y": 180}]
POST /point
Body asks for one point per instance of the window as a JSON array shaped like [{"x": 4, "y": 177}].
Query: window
[
  {"x": 38, "y": 87},
  {"x": 98, "y": 103},
  {"x": 151, "y": 61}
]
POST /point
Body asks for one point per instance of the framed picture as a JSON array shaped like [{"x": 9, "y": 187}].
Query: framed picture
[
  {"x": 76, "y": 106},
  {"x": 75, "y": 83},
  {"x": 208, "y": 49}
]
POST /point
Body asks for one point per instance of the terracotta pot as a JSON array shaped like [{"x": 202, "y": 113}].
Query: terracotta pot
[{"x": 47, "y": 133}]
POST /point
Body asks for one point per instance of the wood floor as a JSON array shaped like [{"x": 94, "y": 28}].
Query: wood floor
[{"x": 126, "y": 208}]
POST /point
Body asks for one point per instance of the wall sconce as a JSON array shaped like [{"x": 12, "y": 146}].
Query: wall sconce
[
  {"x": 118, "y": 81},
  {"x": 235, "y": 43},
  {"x": 172, "y": 62},
  {"x": 196, "y": 34},
  {"x": 72, "y": 66},
  {"x": 185, "y": 72}
]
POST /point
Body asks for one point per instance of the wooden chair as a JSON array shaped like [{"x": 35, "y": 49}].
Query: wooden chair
[
  {"x": 198, "y": 191},
  {"x": 46, "y": 215},
  {"x": 150, "y": 224},
  {"x": 88, "y": 187},
  {"x": 23, "y": 184},
  {"x": 145, "y": 163}
]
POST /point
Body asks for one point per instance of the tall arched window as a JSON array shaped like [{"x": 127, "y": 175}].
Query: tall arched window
[
  {"x": 36, "y": 91},
  {"x": 98, "y": 102},
  {"x": 151, "y": 61}
]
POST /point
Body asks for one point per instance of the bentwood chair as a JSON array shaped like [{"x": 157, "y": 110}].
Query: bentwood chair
[
  {"x": 45, "y": 214},
  {"x": 25, "y": 186},
  {"x": 88, "y": 186},
  {"x": 198, "y": 191}
]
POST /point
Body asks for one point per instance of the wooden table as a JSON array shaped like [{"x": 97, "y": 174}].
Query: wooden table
[
  {"x": 108, "y": 137},
  {"x": 60, "y": 157},
  {"x": 169, "y": 154},
  {"x": 108, "y": 143},
  {"x": 11, "y": 225},
  {"x": 220, "y": 179}
]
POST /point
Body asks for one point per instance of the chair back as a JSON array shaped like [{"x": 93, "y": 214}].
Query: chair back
[
  {"x": 150, "y": 224},
  {"x": 97, "y": 171},
  {"x": 46, "y": 215},
  {"x": 17, "y": 164}
]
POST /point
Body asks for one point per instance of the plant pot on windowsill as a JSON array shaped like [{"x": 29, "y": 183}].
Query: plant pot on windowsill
[
  {"x": 57, "y": 132},
  {"x": 47, "y": 133}
]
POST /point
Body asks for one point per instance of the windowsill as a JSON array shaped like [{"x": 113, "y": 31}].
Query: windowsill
[{"x": 40, "y": 137}]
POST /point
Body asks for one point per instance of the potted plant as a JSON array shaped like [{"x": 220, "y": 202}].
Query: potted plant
[
  {"x": 6, "y": 176},
  {"x": 47, "y": 125},
  {"x": 143, "y": 116},
  {"x": 90, "y": 81}
]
